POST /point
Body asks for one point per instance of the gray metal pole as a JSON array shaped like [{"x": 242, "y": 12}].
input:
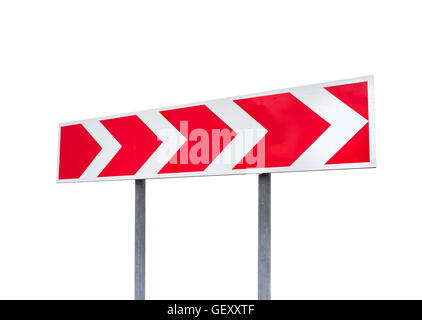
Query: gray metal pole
[
  {"x": 140, "y": 239},
  {"x": 264, "y": 237}
]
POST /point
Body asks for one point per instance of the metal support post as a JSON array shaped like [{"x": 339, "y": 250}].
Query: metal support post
[
  {"x": 140, "y": 239},
  {"x": 264, "y": 237}
]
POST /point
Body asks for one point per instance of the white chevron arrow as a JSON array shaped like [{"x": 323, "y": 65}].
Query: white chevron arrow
[
  {"x": 344, "y": 124},
  {"x": 248, "y": 133},
  {"x": 109, "y": 148},
  {"x": 172, "y": 140}
]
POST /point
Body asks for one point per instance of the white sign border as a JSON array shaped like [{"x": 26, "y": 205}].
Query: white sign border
[{"x": 371, "y": 118}]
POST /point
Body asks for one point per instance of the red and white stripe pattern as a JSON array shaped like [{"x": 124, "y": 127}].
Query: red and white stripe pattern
[{"x": 316, "y": 127}]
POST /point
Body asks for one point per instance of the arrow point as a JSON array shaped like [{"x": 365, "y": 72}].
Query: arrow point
[
  {"x": 77, "y": 150},
  {"x": 292, "y": 128},
  {"x": 194, "y": 118},
  {"x": 355, "y": 96},
  {"x": 138, "y": 144}
]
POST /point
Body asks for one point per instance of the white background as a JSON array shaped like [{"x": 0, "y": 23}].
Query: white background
[{"x": 335, "y": 234}]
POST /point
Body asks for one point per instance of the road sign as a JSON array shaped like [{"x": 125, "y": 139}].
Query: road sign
[{"x": 315, "y": 127}]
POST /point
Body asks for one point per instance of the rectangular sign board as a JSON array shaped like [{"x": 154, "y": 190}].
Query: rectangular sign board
[{"x": 315, "y": 127}]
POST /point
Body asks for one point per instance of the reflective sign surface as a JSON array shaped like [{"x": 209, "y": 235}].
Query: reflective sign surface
[{"x": 315, "y": 127}]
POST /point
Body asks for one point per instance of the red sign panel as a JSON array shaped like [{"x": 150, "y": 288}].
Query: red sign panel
[{"x": 316, "y": 127}]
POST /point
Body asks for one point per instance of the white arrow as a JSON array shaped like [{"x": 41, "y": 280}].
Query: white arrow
[
  {"x": 344, "y": 124},
  {"x": 109, "y": 148},
  {"x": 172, "y": 140},
  {"x": 248, "y": 133}
]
